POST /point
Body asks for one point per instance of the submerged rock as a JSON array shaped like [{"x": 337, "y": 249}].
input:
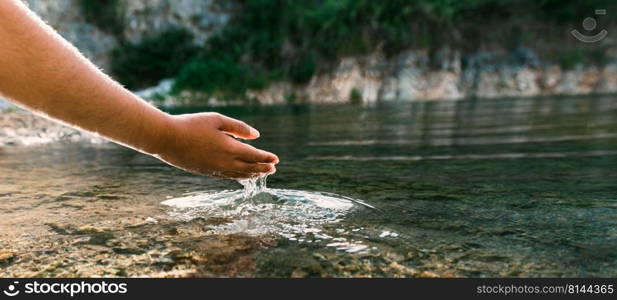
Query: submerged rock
[{"x": 6, "y": 255}]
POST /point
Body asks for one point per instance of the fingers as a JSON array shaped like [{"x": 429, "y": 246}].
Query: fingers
[
  {"x": 250, "y": 154},
  {"x": 243, "y": 151},
  {"x": 256, "y": 169},
  {"x": 233, "y": 175},
  {"x": 238, "y": 128},
  {"x": 243, "y": 170}
]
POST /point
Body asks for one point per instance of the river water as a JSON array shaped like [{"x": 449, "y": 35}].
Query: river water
[{"x": 504, "y": 187}]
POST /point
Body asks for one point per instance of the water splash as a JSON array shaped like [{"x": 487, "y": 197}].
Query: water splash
[
  {"x": 257, "y": 209},
  {"x": 254, "y": 186}
]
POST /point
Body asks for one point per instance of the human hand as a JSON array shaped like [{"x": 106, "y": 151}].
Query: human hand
[
  {"x": 44, "y": 73},
  {"x": 201, "y": 143}
]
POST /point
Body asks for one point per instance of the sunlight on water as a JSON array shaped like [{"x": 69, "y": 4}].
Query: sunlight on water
[{"x": 482, "y": 188}]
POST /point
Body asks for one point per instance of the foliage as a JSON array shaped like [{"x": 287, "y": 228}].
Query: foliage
[
  {"x": 570, "y": 59},
  {"x": 294, "y": 40},
  {"x": 355, "y": 96},
  {"x": 105, "y": 14},
  {"x": 217, "y": 75},
  {"x": 154, "y": 58}
]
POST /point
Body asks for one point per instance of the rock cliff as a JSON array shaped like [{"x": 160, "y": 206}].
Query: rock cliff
[{"x": 370, "y": 78}]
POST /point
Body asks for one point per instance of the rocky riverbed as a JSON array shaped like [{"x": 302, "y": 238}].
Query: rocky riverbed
[{"x": 162, "y": 246}]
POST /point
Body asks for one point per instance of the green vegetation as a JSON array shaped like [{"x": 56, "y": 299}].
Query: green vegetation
[
  {"x": 291, "y": 98},
  {"x": 105, "y": 14},
  {"x": 294, "y": 40},
  {"x": 355, "y": 96},
  {"x": 154, "y": 58},
  {"x": 570, "y": 59},
  {"x": 220, "y": 74}
]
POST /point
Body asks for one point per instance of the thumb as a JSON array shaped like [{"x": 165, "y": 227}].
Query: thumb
[{"x": 238, "y": 128}]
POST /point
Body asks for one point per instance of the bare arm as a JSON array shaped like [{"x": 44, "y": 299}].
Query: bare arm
[{"x": 43, "y": 72}]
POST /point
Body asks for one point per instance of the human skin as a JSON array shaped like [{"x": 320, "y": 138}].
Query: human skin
[{"x": 42, "y": 72}]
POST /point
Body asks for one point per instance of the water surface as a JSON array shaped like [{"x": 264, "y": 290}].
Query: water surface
[{"x": 505, "y": 187}]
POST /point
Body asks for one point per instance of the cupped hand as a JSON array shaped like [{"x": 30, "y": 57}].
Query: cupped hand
[{"x": 202, "y": 143}]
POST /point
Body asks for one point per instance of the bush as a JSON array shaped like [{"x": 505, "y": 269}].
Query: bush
[
  {"x": 571, "y": 59},
  {"x": 596, "y": 55},
  {"x": 293, "y": 40},
  {"x": 138, "y": 65},
  {"x": 303, "y": 70},
  {"x": 218, "y": 75},
  {"x": 105, "y": 14},
  {"x": 355, "y": 96}
]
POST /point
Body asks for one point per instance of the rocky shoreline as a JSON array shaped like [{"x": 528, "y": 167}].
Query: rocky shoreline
[
  {"x": 407, "y": 77},
  {"x": 22, "y": 128}
]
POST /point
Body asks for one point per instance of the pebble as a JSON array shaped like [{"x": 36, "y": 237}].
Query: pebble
[{"x": 6, "y": 255}]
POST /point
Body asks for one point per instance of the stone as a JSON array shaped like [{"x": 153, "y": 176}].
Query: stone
[
  {"x": 6, "y": 255},
  {"x": 428, "y": 274}
]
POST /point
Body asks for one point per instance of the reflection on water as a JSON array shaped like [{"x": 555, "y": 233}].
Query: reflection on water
[
  {"x": 505, "y": 187},
  {"x": 468, "y": 156}
]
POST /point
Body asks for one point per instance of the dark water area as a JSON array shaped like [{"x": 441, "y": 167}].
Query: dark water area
[{"x": 504, "y": 187}]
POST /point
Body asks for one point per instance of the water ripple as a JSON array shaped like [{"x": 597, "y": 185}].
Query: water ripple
[
  {"x": 257, "y": 210},
  {"x": 467, "y": 156}
]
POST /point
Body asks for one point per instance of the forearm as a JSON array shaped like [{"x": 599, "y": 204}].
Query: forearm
[{"x": 43, "y": 72}]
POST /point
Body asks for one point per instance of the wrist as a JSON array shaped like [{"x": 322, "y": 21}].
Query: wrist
[{"x": 161, "y": 134}]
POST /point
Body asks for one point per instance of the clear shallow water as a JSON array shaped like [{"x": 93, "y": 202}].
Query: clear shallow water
[
  {"x": 258, "y": 210},
  {"x": 506, "y": 187}
]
